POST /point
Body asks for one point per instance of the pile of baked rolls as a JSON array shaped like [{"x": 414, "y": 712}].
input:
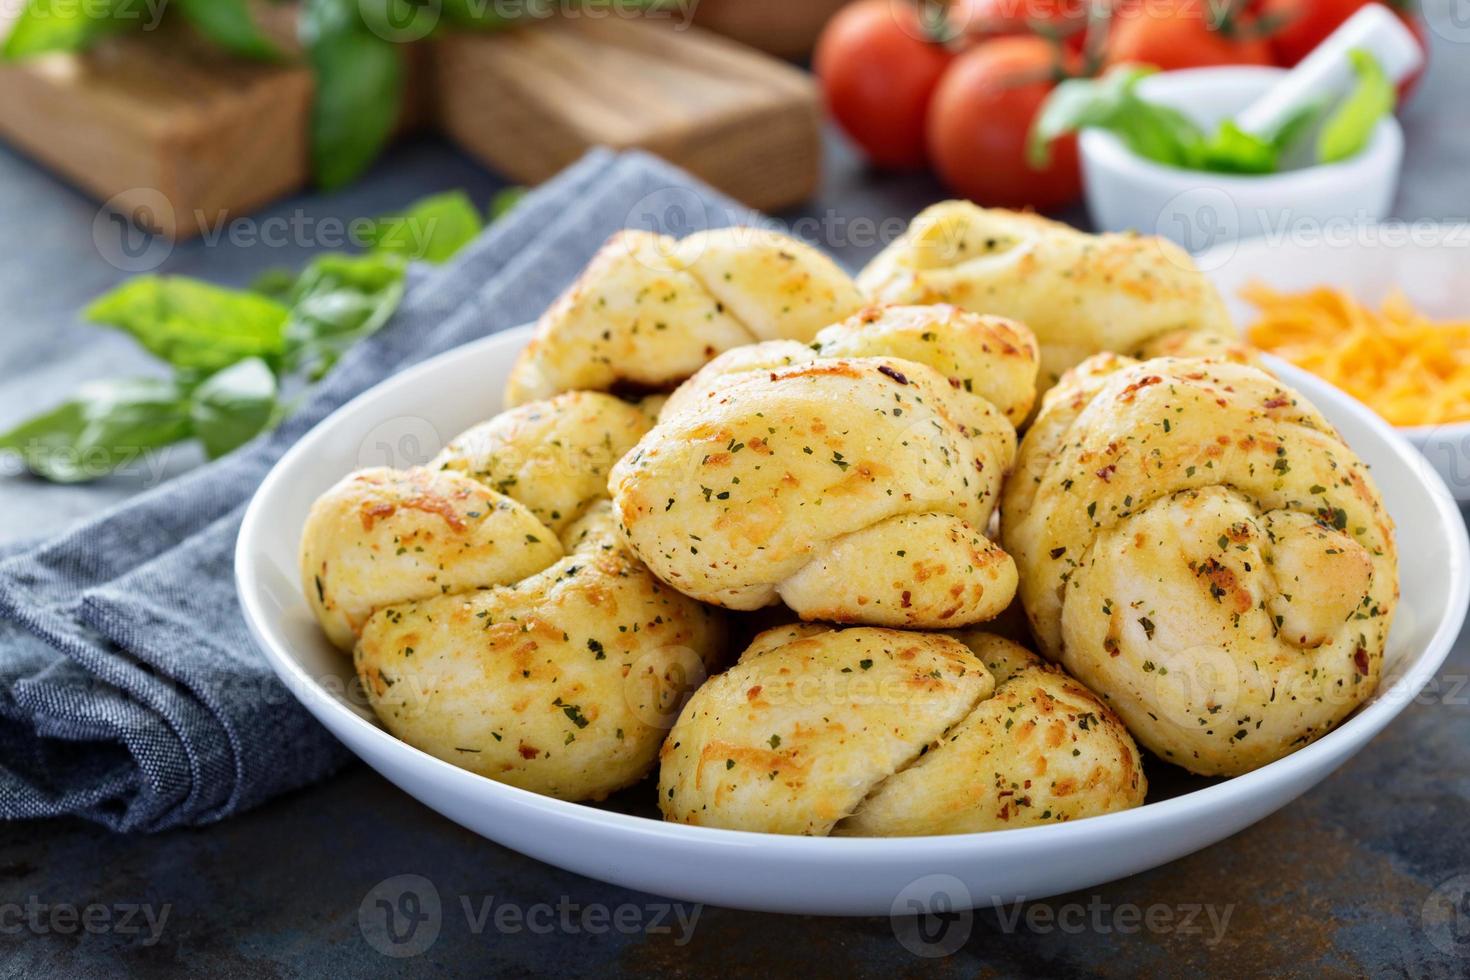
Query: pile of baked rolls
[{"x": 706, "y": 427}]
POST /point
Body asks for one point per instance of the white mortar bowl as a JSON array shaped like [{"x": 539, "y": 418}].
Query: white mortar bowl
[{"x": 1199, "y": 209}]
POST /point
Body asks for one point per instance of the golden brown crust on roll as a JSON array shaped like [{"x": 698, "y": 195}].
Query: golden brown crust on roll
[
  {"x": 879, "y": 732},
  {"x": 990, "y": 356},
  {"x": 854, "y": 488},
  {"x": 498, "y": 621},
  {"x": 1041, "y": 749},
  {"x": 1197, "y": 545},
  {"x": 650, "y": 310},
  {"x": 553, "y": 683},
  {"x": 1079, "y": 293}
]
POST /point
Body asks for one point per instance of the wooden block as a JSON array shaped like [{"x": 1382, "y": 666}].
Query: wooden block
[
  {"x": 174, "y": 133},
  {"x": 530, "y": 101},
  {"x": 162, "y": 113}
]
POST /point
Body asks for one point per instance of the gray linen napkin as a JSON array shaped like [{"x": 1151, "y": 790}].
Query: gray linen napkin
[{"x": 130, "y": 691}]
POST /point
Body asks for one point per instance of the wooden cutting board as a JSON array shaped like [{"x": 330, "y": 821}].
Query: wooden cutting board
[
  {"x": 180, "y": 137},
  {"x": 170, "y": 131},
  {"x": 530, "y": 101},
  {"x": 163, "y": 127}
]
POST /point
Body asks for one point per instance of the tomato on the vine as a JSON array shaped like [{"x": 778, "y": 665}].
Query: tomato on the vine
[
  {"x": 1173, "y": 34},
  {"x": 1063, "y": 20},
  {"x": 878, "y": 71},
  {"x": 981, "y": 115}
]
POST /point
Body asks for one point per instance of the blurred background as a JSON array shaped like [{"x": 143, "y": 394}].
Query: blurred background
[{"x": 221, "y": 141}]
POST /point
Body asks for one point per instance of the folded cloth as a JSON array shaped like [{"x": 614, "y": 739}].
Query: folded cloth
[{"x": 130, "y": 691}]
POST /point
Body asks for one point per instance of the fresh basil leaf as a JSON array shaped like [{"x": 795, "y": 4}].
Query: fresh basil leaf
[
  {"x": 229, "y": 24},
  {"x": 106, "y": 426},
  {"x": 1078, "y": 103},
  {"x": 1350, "y": 126},
  {"x": 275, "y": 283},
  {"x": 1232, "y": 150},
  {"x": 359, "y": 90},
  {"x": 431, "y": 230},
  {"x": 46, "y": 444},
  {"x": 133, "y": 414},
  {"x": 1155, "y": 132},
  {"x": 1161, "y": 133},
  {"x": 1290, "y": 136},
  {"x": 338, "y": 300},
  {"x": 233, "y": 406},
  {"x": 192, "y": 324},
  {"x": 45, "y": 26}
]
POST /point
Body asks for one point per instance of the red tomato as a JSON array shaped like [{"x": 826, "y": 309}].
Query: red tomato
[
  {"x": 979, "y": 120},
  {"x": 878, "y": 75},
  {"x": 1173, "y": 34},
  {"x": 1062, "y": 19},
  {"x": 1304, "y": 24}
]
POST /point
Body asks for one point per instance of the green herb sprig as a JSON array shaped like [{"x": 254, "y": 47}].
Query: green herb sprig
[
  {"x": 1165, "y": 135},
  {"x": 232, "y": 351}
]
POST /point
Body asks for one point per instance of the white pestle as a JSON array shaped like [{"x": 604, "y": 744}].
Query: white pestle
[{"x": 1327, "y": 73}]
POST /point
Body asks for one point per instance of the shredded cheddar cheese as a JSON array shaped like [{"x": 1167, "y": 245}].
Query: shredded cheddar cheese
[{"x": 1409, "y": 369}]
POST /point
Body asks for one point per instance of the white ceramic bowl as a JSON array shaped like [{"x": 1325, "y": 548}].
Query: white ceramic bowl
[
  {"x": 400, "y": 422},
  {"x": 1429, "y": 262},
  {"x": 1198, "y": 209}
]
